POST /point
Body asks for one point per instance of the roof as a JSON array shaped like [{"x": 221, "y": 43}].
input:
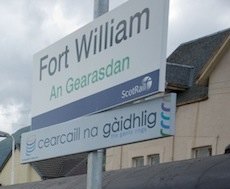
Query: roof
[
  {"x": 62, "y": 166},
  {"x": 205, "y": 173},
  {"x": 195, "y": 56},
  {"x": 181, "y": 81},
  {"x": 211, "y": 64}
]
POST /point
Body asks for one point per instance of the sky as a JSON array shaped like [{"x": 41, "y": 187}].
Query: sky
[{"x": 28, "y": 26}]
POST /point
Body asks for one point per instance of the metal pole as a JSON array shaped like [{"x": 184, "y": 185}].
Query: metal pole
[
  {"x": 94, "y": 170},
  {"x": 95, "y": 159},
  {"x": 100, "y": 7},
  {"x": 13, "y": 160}
]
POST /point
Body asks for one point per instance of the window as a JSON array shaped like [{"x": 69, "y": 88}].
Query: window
[
  {"x": 153, "y": 159},
  {"x": 202, "y": 151},
  {"x": 138, "y": 161}
]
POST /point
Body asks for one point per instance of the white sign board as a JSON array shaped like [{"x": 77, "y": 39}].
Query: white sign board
[
  {"x": 119, "y": 57},
  {"x": 151, "y": 119}
]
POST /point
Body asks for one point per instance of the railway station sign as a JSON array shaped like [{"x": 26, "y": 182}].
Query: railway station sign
[{"x": 117, "y": 58}]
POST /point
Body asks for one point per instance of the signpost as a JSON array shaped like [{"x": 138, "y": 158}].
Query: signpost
[
  {"x": 95, "y": 158},
  {"x": 117, "y": 58}
]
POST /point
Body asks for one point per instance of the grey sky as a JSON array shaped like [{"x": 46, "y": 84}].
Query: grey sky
[{"x": 27, "y": 26}]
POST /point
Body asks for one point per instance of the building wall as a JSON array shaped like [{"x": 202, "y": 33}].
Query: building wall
[
  {"x": 121, "y": 157},
  {"x": 23, "y": 173},
  {"x": 200, "y": 124},
  {"x": 219, "y": 101}
]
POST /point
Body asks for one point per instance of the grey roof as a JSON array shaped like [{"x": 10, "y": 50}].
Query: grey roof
[
  {"x": 206, "y": 173},
  {"x": 195, "y": 54},
  {"x": 183, "y": 80},
  {"x": 198, "y": 52},
  {"x": 62, "y": 166}
]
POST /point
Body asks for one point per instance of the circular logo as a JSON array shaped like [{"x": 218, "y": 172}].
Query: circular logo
[{"x": 147, "y": 82}]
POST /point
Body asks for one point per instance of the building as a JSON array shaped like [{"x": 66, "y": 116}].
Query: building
[
  {"x": 23, "y": 173},
  {"x": 199, "y": 72},
  {"x": 37, "y": 171}
]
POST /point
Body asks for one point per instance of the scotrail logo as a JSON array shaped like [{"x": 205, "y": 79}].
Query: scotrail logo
[
  {"x": 147, "y": 82},
  {"x": 30, "y": 144},
  {"x": 145, "y": 85}
]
